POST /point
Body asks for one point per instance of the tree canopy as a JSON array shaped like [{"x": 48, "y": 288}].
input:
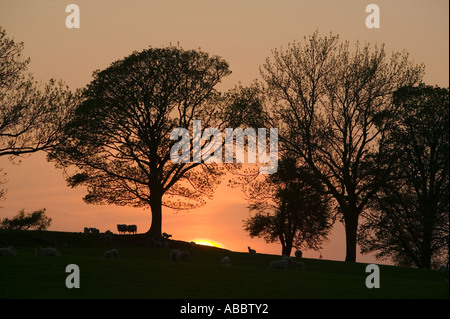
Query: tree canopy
[
  {"x": 36, "y": 220},
  {"x": 332, "y": 106},
  {"x": 290, "y": 207},
  {"x": 119, "y": 139},
  {"x": 408, "y": 219},
  {"x": 31, "y": 115}
]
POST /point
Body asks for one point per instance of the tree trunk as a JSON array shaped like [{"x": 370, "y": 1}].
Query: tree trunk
[
  {"x": 426, "y": 251},
  {"x": 156, "y": 208},
  {"x": 286, "y": 250},
  {"x": 351, "y": 228}
]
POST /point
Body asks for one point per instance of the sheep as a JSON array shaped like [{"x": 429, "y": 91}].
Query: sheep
[
  {"x": 175, "y": 255},
  {"x": 252, "y": 252},
  {"x": 225, "y": 261},
  {"x": 10, "y": 251},
  {"x": 298, "y": 254},
  {"x": 50, "y": 251},
  {"x": 279, "y": 264},
  {"x": 113, "y": 253},
  {"x": 166, "y": 236},
  {"x": 91, "y": 230},
  {"x": 94, "y": 231}
]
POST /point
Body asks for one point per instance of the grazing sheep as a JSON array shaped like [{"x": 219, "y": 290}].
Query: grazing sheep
[
  {"x": 279, "y": 264},
  {"x": 113, "y": 253},
  {"x": 252, "y": 252},
  {"x": 86, "y": 230},
  {"x": 298, "y": 254},
  {"x": 10, "y": 251},
  {"x": 132, "y": 229},
  {"x": 175, "y": 255},
  {"x": 94, "y": 231},
  {"x": 47, "y": 252},
  {"x": 225, "y": 261},
  {"x": 184, "y": 256}
]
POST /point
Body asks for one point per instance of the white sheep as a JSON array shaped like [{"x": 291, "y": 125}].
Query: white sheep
[
  {"x": 113, "y": 253},
  {"x": 225, "y": 261},
  {"x": 298, "y": 254},
  {"x": 10, "y": 251},
  {"x": 252, "y": 252},
  {"x": 184, "y": 256},
  {"x": 279, "y": 264},
  {"x": 175, "y": 255},
  {"x": 50, "y": 251}
]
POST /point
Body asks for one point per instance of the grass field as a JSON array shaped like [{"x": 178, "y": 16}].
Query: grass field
[{"x": 145, "y": 272}]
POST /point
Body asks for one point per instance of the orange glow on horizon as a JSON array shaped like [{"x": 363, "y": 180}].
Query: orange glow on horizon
[{"x": 207, "y": 242}]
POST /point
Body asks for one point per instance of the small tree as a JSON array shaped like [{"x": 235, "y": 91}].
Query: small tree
[
  {"x": 289, "y": 209},
  {"x": 36, "y": 220}
]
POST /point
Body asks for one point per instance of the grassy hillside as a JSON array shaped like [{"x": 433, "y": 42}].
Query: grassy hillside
[{"x": 142, "y": 271}]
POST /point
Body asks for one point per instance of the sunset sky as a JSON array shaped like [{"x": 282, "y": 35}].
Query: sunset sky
[{"x": 243, "y": 32}]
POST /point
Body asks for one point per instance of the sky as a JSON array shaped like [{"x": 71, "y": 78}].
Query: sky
[{"x": 243, "y": 32}]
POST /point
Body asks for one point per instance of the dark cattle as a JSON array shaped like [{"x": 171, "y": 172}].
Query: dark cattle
[
  {"x": 132, "y": 229},
  {"x": 122, "y": 228}
]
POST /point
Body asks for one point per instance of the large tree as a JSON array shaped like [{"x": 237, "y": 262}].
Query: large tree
[
  {"x": 289, "y": 208},
  {"x": 331, "y": 105},
  {"x": 409, "y": 219},
  {"x": 120, "y": 138},
  {"x": 31, "y": 115}
]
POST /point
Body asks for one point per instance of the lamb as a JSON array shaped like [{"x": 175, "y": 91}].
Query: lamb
[
  {"x": 10, "y": 251},
  {"x": 279, "y": 264},
  {"x": 113, "y": 253},
  {"x": 225, "y": 261},
  {"x": 175, "y": 255},
  {"x": 252, "y": 252},
  {"x": 50, "y": 251}
]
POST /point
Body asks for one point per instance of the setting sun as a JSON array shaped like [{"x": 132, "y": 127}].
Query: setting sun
[{"x": 207, "y": 242}]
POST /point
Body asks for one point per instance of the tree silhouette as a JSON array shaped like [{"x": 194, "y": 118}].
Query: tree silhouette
[
  {"x": 24, "y": 221},
  {"x": 331, "y": 106},
  {"x": 31, "y": 116},
  {"x": 119, "y": 139},
  {"x": 409, "y": 219},
  {"x": 289, "y": 208}
]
